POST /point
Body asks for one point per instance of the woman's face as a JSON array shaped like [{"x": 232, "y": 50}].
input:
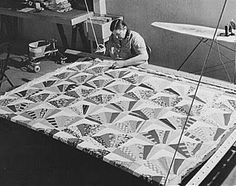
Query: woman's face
[{"x": 120, "y": 33}]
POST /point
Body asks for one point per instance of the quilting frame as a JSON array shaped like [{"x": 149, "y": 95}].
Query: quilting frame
[{"x": 130, "y": 117}]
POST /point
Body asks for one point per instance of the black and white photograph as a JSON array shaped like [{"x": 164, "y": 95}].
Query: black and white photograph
[{"x": 117, "y": 92}]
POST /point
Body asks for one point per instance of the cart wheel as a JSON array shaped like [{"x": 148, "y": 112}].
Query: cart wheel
[
  {"x": 54, "y": 54},
  {"x": 36, "y": 68},
  {"x": 62, "y": 62}
]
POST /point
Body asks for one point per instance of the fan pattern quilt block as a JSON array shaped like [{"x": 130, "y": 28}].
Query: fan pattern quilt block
[{"x": 129, "y": 117}]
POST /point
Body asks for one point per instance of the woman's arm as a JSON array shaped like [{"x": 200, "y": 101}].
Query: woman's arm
[
  {"x": 136, "y": 60},
  {"x": 138, "y": 46}
]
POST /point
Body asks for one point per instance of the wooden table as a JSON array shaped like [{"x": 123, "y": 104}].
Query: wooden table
[
  {"x": 72, "y": 18},
  {"x": 204, "y": 33}
]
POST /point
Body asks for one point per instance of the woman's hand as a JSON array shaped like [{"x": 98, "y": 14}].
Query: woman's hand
[
  {"x": 118, "y": 64},
  {"x": 98, "y": 60}
]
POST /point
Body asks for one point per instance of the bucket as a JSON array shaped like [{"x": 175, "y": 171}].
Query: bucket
[{"x": 37, "y": 48}]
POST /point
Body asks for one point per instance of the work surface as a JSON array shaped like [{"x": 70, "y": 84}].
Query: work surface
[
  {"x": 197, "y": 31},
  {"x": 72, "y": 17},
  {"x": 131, "y": 118}
]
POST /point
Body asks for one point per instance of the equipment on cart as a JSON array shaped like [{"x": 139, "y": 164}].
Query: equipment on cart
[{"x": 40, "y": 49}]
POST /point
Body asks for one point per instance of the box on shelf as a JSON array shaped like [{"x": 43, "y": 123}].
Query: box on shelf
[
  {"x": 99, "y": 7},
  {"x": 101, "y": 25}
]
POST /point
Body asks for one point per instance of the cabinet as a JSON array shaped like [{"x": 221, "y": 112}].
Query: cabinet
[{"x": 101, "y": 27}]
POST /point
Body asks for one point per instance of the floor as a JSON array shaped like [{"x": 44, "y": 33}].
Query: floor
[{"x": 28, "y": 158}]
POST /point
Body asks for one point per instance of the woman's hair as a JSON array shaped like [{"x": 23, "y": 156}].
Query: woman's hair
[{"x": 117, "y": 24}]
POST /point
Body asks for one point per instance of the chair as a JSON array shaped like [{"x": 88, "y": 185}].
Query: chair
[{"x": 4, "y": 50}]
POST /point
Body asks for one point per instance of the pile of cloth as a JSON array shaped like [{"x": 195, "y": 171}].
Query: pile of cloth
[
  {"x": 59, "y": 5},
  {"x": 54, "y": 5}
]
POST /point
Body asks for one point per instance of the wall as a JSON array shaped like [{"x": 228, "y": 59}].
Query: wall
[{"x": 170, "y": 49}]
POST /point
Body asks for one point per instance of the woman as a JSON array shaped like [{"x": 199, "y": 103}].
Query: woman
[{"x": 125, "y": 47}]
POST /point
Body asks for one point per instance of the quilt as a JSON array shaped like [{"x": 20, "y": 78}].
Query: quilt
[{"x": 131, "y": 118}]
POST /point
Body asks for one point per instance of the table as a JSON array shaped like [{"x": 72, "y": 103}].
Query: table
[
  {"x": 72, "y": 18},
  {"x": 203, "y": 32}
]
